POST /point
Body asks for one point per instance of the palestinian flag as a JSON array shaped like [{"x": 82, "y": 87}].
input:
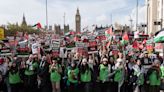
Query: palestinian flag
[
  {"x": 125, "y": 39},
  {"x": 38, "y": 25},
  {"x": 109, "y": 32},
  {"x": 159, "y": 36}
]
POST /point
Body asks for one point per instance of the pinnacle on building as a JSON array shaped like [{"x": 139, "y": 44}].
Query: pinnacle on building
[{"x": 24, "y": 21}]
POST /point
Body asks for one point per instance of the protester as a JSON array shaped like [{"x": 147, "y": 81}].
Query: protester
[
  {"x": 3, "y": 86},
  {"x": 44, "y": 76},
  {"x": 113, "y": 67},
  {"x": 104, "y": 75},
  {"x": 14, "y": 77},
  {"x": 138, "y": 77},
  {"x": 73, "y": 79},
  {"x": 55, "y": 71},
  {"x": 85, "y": 76},
  {"x": 30, "y": 78},
  {"x": 118, "y": 76},
  {"x": 154, "y": 77}
]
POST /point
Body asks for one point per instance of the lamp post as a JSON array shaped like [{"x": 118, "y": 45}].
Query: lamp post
[
  {"x": 161, "y": 14},
  {"x": 147, "y": 15},
  {"x": 137, "y": 15},
  {"x": 46, "y": 16}
]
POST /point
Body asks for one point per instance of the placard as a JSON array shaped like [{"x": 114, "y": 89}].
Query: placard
[
  {"x": 149, "y": 48},
  {"x": 2, "y": 35},
  {"x": 5, "y": 52},
  {"x": 92, "y": 46},
  {"x": 56, "y": 52},
  {"x": 55, "y": 43},
  {"x": 35, "y": 48},
  {"x": 80, "y": 44},
  {"x": 115, "y": 49},
  {"x": 158, "y": 47}
]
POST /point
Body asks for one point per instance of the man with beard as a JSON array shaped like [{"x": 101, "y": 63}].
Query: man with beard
[
  {"x": 44, "y": 76},
  {"x": 85, "y": 76},
  {"x": 146, "y": 62}
]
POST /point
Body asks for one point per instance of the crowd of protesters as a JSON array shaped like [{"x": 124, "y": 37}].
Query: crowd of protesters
[
  {"x": 103, "y": 71},
  {"x": 98, "y": 72}
]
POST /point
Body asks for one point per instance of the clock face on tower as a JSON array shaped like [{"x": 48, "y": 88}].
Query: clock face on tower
[{"x": 77, "y": 18}]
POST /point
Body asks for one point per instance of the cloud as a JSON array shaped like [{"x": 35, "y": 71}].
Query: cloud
[
  {"x": 92, "y": 11},
  {"x": 102, "y": 19}
]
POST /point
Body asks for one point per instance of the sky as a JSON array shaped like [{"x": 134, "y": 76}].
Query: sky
[{"x": 99, "y": 12}]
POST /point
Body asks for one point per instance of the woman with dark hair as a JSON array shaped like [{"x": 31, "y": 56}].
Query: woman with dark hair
[
  {"x": 85, "y": 76},
  {"x": 73, "y": 79},
  {"x": 55, "y": 75},
  {"x": 14, "y": 78}
]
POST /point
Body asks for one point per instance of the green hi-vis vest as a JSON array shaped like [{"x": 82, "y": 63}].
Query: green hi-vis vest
[
  {"x": 55, "y": 76},
  {"x": 117, "y": 76},
  {"x": 31, "y": 72},
  {"x": 73, "y": 75},
  {"x": 103, "y": 72},
  {"x": 86, "y": 77},
  {"x": 153, "y": 79},
  {"x": 162, "y": 71},
  {"x": 140, "y": 80},
  {"x": 14, "y": 78}
]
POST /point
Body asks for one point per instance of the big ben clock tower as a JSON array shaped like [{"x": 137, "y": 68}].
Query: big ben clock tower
[{"x": 78, "y": 21}]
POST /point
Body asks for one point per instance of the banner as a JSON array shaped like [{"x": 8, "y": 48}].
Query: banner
[{"x": 2, "y": 34}]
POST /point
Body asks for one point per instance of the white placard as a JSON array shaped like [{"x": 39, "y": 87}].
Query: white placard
[
  {"x": 35, "y": 48},
  {"x": 55, "y": 43},
  {"x": 80, "y": 44}
]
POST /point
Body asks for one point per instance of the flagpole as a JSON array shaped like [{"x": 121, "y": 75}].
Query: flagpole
[{"x": 64, "y": 18}]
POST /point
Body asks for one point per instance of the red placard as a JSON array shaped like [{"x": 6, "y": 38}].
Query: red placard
[
  {"x": 92, "y": 43},
  {"x": 55, "y": 53},
  {"x": 115, "y": 52},
  {"x": 101, "y": 38}
]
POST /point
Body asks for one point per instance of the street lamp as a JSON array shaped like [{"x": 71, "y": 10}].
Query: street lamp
[
  {"x": 161, "y": 14},
  {"x": 136, "y": 15},
  {"x": 46, "y": 16}
]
